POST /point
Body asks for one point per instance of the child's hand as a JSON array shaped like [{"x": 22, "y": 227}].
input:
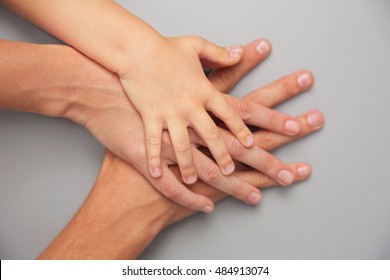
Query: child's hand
[{"x": 170, "y": 91}]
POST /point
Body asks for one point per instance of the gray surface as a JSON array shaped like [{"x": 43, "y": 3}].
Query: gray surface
[{"x": 341, "y": 212}]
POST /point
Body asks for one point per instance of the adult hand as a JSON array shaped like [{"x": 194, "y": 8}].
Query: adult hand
[
  {"x": 124, "y": 213},
  {"x": 109, "y": 122}
]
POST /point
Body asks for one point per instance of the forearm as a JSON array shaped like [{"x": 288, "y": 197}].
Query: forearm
[
  {"x": 54, "y": 80},
  {"x": 101, "y": 29},
  {"x": 119, "y": 219}
]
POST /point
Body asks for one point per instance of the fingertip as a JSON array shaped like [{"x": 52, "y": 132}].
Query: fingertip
[
  {"x": 155, "y": 172},
  {"x": 315, "y": 119},
  {"x": 304, "y": 170},
  {"x": 263, "y": 47},
  {"x": 286, "y": 177},
  {"x": 254, "y": 197},
  {"x": 209, "y": 208},
  {"x": 293, "y": 127},
  {"x": 190, "y": 179},
  {"x": 229, "y": 169},
  {"x": 235, "y": 51},
  {"x": 249, "y": 140},
  {"x": 305, "y": 79}
]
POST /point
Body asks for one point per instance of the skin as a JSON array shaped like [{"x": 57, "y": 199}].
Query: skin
[
  {"x": 121, "y": 195},
  {"x": 111, "y": 36}
]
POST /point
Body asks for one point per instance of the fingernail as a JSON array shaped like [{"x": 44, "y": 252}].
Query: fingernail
[
  {"x": 249, "y": 140},
  {"x": 235, "y": 51},
  {"x": 208, "y": 209},
  {"x": 286, "y": 177},
  {"x": 314, "y": 120},
  {"x": 191, "y": 179},
  {"x": 263, "y": 47},
  {"x": 304, "y": 171},
  {"x": 229, "y": 169},
  {"x": 304, "y": 80},
  {"x": 156, "y": 172},
  {"x": 292, "y": 126},
  {"x": 254, "y": 198}
]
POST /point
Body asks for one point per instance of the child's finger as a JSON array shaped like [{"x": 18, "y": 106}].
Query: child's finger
[
  {"x": 153, "y": 130},
  {"x": 182, "y": 147},
  {"x": 205, "y": 127},
  {"x": 213, "y": 56},
  {"x": 210, "y": 173},
  {"x": 221, "y": 108},
  {"x": 264, "y": 117}
]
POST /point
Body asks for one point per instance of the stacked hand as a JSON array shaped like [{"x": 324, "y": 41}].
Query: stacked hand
[
  {"x": 116, "y": 123},
  {"x": 121, "y": 195}
]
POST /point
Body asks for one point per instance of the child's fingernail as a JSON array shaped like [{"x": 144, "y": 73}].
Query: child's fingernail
[
  {"x": 229, "y": 169},
  {"x": 156, "y": 172},
  {"x": 263, "y": 47},
  {"x": 304, "y": 80},
  {"x": 235, "y": 51},
  {"x": 208, "y": 209},
  {"x": 249, "y": 140},
  {"x": 254, "y": 198},
  {"x": 286, "y": 177},
  {"x": 292, "y": 126},
  {"x": 191, "y": 179},
  {"x": 304, "y": 171},
  {"x": 314, "y": 120}
]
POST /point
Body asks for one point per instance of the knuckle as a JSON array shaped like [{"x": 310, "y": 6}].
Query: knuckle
[
  {"x": 267, "y": 164},
  {"x": 266, "y": 141},
  {"x": 226, "y": 77},
  {"x": 171, "y": 192},
  {"x": 211, "y": 173},
  {"x": 286, "y": 90},
  {"x": 183, "y": 146},
  {"x": 244, "y": 109},
  {"x": 236, "y": 148},
  {"x": 272, "y": 119},
  {"x": 262, "y": 180},
  {"x": 154, "y": 141},
  {"x": 239, "y": 191},
  {"x": 214, "y": 135},
  {"x": 139, "y": 154},
  {"x": 197, "y": 40}
]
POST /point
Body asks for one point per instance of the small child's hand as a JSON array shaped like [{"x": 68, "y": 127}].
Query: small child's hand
[{"x": 171, "y": 91}]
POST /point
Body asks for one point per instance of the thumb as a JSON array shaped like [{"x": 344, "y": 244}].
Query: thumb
[{"x": 214, "y": 56}]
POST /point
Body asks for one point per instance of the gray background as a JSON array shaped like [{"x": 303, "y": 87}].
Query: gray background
[{"x": 48, "y": 166}]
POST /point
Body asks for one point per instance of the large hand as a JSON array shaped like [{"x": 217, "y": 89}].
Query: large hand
[
  {"x": 121, "y": 195},
  {"x": 109, "y": 123}
]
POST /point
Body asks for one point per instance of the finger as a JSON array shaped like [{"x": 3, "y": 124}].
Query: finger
[
  {"x": 283, "y": 89},
  {"x": 264, "y": 118},
  {"x": 221, "y": 108},
  {"x": 301, "y": 171},
  {"x": 213, "y": 56},
  {"x": 153, "y": 130},
  {"x": 210, "y": 173},
  {"x": 182, "y": 147},
  {"x": 224, "y": 79},
  {"x": 259, "y": 159},
  {"x": 309, "y": 122},
  {"x": 208, "y": 131},
  {"x": 171, "y": 188}
]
